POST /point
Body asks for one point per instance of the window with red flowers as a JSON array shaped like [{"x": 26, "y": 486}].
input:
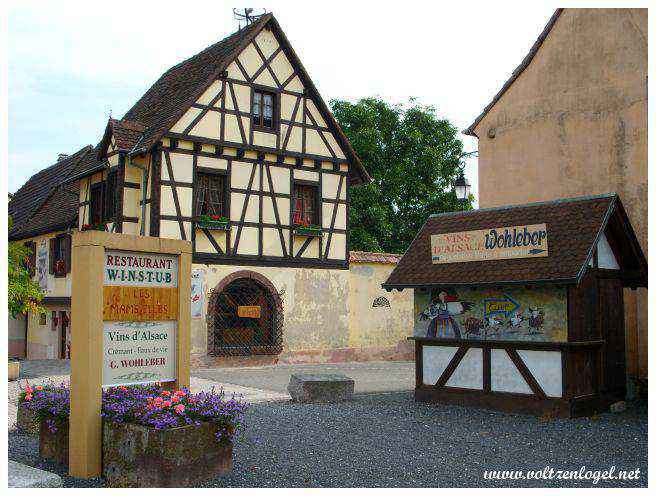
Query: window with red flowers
[
  {"x": 305, "y": 205},
  {"x": 210, "y": 194},
  {"x": 60, "y": 255}
]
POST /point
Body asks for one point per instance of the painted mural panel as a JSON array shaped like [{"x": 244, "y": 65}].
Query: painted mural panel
[{"x": 537, "y": 314}]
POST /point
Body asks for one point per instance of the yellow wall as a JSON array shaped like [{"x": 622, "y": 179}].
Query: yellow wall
[
  {"x": 326, "y": 311},
  {"x": 379, "y": 326},
  {"x": 42, "y": 341},
  {"x": 575, "y": 123}
]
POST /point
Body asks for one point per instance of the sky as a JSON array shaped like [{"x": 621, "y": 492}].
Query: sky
[{"x": 73, "y": 64}]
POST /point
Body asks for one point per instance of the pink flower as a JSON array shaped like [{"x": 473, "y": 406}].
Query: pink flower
[
  {"x": 28, "y": 396},
  {"x": 175, "y": 399},
  {"x": 180, "y": 393},
  {"x": 166, "y": 393},
  {"x": 39, "y": 388},
  {"x": 179, "y": 409},
  {"x": 166, "y": 403},
  {"x": 28, "y": 389},
  {"x": 159, "y": 399}
]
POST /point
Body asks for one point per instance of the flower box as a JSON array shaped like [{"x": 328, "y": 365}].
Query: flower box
[
  {"x": 53, "y": 440},
  {"x": 140, "y": 456},
  {"x": 27, "y": 420},
  {"x": 308, "y": 231},
  {"x": 94, "y": 227},
  {"x": 214, "y": 222},
  {"x": 60, "y": 268}
]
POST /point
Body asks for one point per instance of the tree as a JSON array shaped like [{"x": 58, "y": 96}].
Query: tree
[
  {"x": 413, "y": 158},
  {"x": 23, "y": 293}
]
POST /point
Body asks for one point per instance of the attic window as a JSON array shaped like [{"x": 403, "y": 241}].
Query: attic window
[{"x": 263, "y": 109}]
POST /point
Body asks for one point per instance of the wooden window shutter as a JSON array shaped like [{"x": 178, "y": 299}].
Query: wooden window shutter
[
  {"x": 31, "y": 246},
  {"x": 51, "y": 259},
  {"x": 67, "y": 252}
]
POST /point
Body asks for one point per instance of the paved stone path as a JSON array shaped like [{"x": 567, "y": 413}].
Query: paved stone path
[
  {"x": 369, "y": 377},
  {"x": 58, "y": 371}
]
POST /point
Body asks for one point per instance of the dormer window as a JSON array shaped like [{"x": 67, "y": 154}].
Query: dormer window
[{"x": 263, "y": 109}]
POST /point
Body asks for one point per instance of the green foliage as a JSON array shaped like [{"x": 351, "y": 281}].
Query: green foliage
[
  {"x": 413, "y": 158},
  {"x": 24, "y": 294}
]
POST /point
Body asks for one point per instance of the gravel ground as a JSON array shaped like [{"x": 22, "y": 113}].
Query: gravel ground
[{"x": 388, "y": 440}]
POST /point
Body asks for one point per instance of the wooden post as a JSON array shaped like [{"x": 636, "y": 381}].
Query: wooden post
[
  {"x": 86, "y": 361},
  {"x": 87, "y": 348},
  {"x": 184, "y": 320}
]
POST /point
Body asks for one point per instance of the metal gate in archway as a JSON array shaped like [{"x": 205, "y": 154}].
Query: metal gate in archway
[{"x": 246, "y": 320}]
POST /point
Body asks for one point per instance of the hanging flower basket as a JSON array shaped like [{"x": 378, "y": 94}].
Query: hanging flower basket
[
  {"x": 307, "y": 230},
  {"x": 101, "y": 226},
  {"x": 212, "y": 222}
]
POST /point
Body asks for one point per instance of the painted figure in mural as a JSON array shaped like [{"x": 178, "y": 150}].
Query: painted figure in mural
[
  {"x": 440, "y": 312},
  {"x": 535, "y": 320},
  {"x": 492, "y": 325},
  {"x": 515, "y": 322},
  {"x": 473, "y": 326}
]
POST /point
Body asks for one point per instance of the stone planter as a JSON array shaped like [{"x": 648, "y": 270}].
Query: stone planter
[
  {"x": 139, "y": 456},
  {"x": 14, "y": 370},
  {"x": 53, "y": 446},
  {"x": 26, "y": 420}
]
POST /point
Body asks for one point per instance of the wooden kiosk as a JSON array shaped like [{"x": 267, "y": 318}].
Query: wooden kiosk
[{"x": 520, "y": 308}]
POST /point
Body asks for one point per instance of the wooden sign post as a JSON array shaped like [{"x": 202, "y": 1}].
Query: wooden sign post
[{"x": 130, "y": 324}]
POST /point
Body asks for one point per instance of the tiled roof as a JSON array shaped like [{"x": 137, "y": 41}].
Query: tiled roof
[
  {"x": 516, "y": 73},
  {"x": 573, "y": 226},
  {"x": 40, "y": 187},
  {"x": 126, "y": 133},
  {"x": 181, "y": 85},
  {"x": 59, "y": 212},
  {"x": 372, "y": 257}
]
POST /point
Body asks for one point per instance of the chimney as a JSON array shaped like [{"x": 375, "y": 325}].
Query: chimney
[{"x": 62, "y": 156}]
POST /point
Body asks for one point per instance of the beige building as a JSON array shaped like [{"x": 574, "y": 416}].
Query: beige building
[
  {"x": 571, "y": 121},
  {"x": 235, "y": 150}
]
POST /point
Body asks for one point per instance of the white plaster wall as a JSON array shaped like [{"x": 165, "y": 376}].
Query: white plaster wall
[
  {"x": 469, "y": 373},
  {"x": 546, "y": 367},
  {"x": 504, "y": 375},
  {"x": 434, "y": 360},
  {"x": 605, "y": 257}
]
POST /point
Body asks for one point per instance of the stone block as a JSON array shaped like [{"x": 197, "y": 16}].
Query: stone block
[
  {"x": 21, "y": 475},
  {"x": 26, "y": 420},
  {"x": 53, "y": 446},
  {"x": 139, "y": 456},
  {"x": 320, "y": 388}
]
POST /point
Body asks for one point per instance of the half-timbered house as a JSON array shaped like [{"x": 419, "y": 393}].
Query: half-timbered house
[{"x": 235, "y": 150}]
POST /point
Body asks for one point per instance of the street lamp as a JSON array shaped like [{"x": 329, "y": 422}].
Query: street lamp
[{"x": 462, "y": 188}]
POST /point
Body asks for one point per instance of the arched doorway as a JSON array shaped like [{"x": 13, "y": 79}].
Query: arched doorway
[{"x": 244, "y": 316}]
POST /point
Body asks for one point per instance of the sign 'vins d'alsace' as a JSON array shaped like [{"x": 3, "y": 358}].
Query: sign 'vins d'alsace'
[
  {"x": 140, "y": 312},
  {"x": 490, "y": 244}
]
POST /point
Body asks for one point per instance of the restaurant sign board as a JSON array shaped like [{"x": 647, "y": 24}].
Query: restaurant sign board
[
  {"x": 498, "y": 243},
  {"x": 140, "y": 313},
  {"x": 138, "y": 352}
]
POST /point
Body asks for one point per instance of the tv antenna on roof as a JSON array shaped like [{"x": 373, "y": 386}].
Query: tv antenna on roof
[{"x": 247, "y": 14}]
